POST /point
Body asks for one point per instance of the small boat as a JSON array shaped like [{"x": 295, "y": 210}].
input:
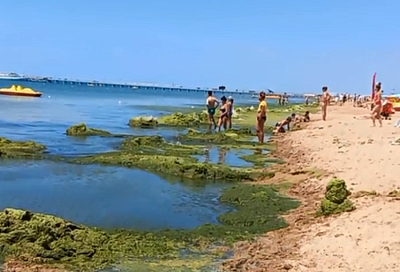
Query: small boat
[
  {"x": 395, "y": 100},
  {"x": 18, "y": 90}
]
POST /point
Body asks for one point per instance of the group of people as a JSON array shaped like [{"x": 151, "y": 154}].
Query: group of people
[
  {"x": 226, "y": 111},
  {"x": 376, "y": 106}
]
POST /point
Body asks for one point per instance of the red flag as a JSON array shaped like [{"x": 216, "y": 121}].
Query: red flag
[{"x": 373, "y": 86}]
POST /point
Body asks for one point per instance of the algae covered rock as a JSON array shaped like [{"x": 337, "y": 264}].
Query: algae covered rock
[
  {"x": 181, "y": 119},
  {"x": 151, "y": 141},
  {"x": 48, "y": 238},
  {"x": 335, "y": 200},
  {"x": 12, "y": 149},
  {"x": 143, "y": 122},
  {"x": 83, "y": 130}
]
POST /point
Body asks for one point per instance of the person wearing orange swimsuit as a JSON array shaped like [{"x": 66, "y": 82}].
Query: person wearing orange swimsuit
[
  {"x": 325, "y": 100},
  {"x": 377, "y": 100}
]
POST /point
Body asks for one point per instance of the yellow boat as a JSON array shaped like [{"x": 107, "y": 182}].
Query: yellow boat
[
  {"x": 395, "y": 100},
  {"x": 18, "y": 90}
]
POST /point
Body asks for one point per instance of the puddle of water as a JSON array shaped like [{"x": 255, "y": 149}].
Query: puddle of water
[
  {"x": 107, "y": 197},
  {"x": 224, "y": 156}
]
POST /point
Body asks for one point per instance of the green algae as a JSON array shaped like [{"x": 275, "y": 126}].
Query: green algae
[
  {"x": 143, "y": 122},
  {"x": 182, "y": 167},
  {"x": 184, "y": 119},
  {"x": 158, "y": 145},
  {"x": 52, "y": 240},
  {"x": 260, "y": 160},
  {"x": 19, "y": 149},
  {"x": 83, "y": 130},
  {"x": 335, "y": 200}
]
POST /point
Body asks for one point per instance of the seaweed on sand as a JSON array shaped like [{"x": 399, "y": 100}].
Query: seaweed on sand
[
  {"x": 83, "y": 130},
  {"x": 335, "y": 200},
  {"x": 19, "y": 149},
  {"x": 46, "y": 239}
]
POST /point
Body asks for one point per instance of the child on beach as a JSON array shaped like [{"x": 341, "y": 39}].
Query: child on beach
[
  {"x": 212, "y": 104},
  {"x": 261, "y": 117},
  {"x": 279, "y": 127}
]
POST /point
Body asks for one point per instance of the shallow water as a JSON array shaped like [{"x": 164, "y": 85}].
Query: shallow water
[
  {"x": 223, "y": 156},
  {"x": 97, "y": 195},
  {"x": 109, "y": 197}
]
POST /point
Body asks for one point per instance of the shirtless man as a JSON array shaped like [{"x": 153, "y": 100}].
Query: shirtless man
[
  {"x": 325, "y": 100},
  {"x": 212, "y": 104}
]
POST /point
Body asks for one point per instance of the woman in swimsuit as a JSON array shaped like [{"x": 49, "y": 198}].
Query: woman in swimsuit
[
  {"x": 377, "y": 100},
  {"x": 261, "y": 117},
  {"x": 325, "y": 99},
  {"x": 223, "y": 113}
]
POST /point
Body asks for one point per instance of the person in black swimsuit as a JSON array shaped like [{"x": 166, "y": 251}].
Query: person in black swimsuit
[{"x": 223, "y": 114}]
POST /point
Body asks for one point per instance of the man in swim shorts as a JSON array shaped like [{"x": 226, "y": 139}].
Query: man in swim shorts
[{"x": 212, "y": 104}]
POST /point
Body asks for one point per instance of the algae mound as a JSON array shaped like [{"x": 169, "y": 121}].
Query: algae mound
[
  {"x": 335, "y": 200},
  {"x": 83, "y": 130},
  {"x": 15, "y": 149},
  {"x": 170, "y": 165},
  {"x": 134, "y": 142},
  {"x": 181, "y": 119},
  {"x": 143, "y": 122}
]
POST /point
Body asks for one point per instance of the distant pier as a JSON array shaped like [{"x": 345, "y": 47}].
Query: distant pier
[
  {"x": 143, "y": 86},
  {"x": 146, "y": 86}
]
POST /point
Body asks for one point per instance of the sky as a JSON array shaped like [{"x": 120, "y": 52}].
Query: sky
[{"x": 286, "y": 45}]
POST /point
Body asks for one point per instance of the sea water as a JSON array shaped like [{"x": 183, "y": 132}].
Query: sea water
[{"x": 99, "y": 196}]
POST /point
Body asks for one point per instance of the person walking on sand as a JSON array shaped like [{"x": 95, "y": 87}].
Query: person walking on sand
[
  {"x": 212, "y": 104},
  {"x": 261, "y": 117},
  {"x": 377, "y": 102},
  {"x": 325, "y": 100}
]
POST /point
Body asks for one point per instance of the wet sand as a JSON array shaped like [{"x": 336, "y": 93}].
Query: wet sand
[{"x": 367, "y": 239}]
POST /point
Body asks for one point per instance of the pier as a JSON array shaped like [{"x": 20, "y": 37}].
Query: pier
[{"x": 143, "y": 86}]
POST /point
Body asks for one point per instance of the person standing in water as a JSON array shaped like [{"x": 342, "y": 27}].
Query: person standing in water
[
  {"x": 212, "y": 104},
  {"x": 230, "y": 112},
  {"x": 377, "y": 100},
  {"x": 223, "y": 116},
  {"x": 325, "y": 100},
  {"x": 261, "y": 117}
]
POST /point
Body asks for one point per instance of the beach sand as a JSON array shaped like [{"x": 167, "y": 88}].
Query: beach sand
[{"x": 368, "y": 239}]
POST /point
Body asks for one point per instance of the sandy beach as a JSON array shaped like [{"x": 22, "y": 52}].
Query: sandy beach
[{"x": 348, "y": 147}]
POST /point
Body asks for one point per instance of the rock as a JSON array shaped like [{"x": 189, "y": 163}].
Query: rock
[
  {"x": 83, "y": 130},
  {"x": 143, "y": 122}
]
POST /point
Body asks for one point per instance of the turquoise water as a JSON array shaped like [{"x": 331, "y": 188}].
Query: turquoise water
[{"x": 94, "y": 195}]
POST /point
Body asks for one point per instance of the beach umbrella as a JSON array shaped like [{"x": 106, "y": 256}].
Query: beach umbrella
[{"x": 373, "y": 86}]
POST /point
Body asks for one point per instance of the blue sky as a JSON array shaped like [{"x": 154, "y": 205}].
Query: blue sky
[{"x": 286, "y": 45}]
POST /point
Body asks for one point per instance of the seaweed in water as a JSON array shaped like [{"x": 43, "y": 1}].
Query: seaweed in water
[
  {"x": 46, "y": 239},
  {"x": 83, "y": 130},
  {"x": 17, "y": 149},
  {"x": 143, "y": 122},
  {"x": 335, "y": 200}
]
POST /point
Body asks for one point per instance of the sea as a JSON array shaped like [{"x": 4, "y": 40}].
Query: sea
[{"x": 106, "y": 197}]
